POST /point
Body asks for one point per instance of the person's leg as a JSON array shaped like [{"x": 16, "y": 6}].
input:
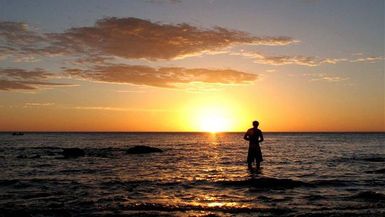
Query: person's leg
[
  {"x": 258, "y": 165},
  {"x": 258, "y": 157},
  {"x": 250, "y": 158},
  {"x": 249, "y": 162}
]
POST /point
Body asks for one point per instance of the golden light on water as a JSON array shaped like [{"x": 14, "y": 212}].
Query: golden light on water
[{"x": 222, "y": 204}]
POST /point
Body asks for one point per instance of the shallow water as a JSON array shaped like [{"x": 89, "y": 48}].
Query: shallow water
[{"x": 198, "y": 174}]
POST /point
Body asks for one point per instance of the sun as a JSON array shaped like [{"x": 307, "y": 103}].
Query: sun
[
  {"x": 214, "y": 123},
  {"x": 212, "y": 115},
  {"x": 213, "y": 119}
]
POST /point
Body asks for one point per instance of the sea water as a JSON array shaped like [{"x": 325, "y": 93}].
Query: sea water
[{"x": 198, "y": 174}]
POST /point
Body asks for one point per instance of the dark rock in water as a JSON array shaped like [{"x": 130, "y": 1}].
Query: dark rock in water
[
  {"x": 72, "y": 152},
  {"x": 17, "y": 134},
  {"x": 374, "y": 159},
  {"x": 142, "y": 149},
  {"x": 370, "y": 196}
]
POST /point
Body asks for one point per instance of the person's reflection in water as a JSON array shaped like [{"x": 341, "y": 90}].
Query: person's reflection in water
[{"x": 254, "y": 136}]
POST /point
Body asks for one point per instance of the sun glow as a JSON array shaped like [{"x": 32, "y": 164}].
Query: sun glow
[
  {"x": 214, "y": 114},
  {"x": 214, "y": 123},
  {"x": 213, "y": 118}
]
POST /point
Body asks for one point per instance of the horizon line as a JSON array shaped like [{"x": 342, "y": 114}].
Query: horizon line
[{"x": 97, "y": 131}]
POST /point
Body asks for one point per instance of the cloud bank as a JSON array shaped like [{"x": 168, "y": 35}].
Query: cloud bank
[
  {"x": 135, "y": 38},
  {"x": 20, "y": 79},
  {"x": 95, "y": 48},
  {"x": 326, "y": 77},
  {"x": 168, "y": 77},
  {"x": 131, "y": 38},
  {"x": 17, "y": 33},
  {"x": 261, "y": 58}
]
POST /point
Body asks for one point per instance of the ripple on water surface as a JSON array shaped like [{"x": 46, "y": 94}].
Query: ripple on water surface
[{"x": 197, "y": 174}]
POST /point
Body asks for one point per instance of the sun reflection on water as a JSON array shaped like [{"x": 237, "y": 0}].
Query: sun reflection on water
[
  {"x": 221, "y": 204},
  {"x": 207, "y": 200}
]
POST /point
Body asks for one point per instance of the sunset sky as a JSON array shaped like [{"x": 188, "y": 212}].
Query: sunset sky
[{"x": 191, "y": 65}]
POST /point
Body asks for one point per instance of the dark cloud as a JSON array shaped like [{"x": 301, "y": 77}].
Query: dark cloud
[
  {"x": 20, "y": 79},
  {"x": 162, "y": 77}
]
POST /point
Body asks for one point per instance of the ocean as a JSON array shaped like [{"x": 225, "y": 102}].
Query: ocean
[{"x": 197, "y": 174}]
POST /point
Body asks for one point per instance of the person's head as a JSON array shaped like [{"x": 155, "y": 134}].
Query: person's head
[{"x": 255, "y": 124}]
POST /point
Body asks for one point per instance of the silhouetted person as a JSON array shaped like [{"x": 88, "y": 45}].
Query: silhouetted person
[{"x": 254, "y": 136}]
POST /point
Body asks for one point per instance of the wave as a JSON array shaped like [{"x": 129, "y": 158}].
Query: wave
[
  {"x": 78, "y": 171},
  {"x": 120, "y": 184},
  {"x": 264, "y": 182},
  {"x": 379, "y": 171},
  {"x": 188, "y": 207},
  {"x": 331, "y": 183},
  {"x": 370, "y": 158},
  {"x": 40, "y": 152},
  {"x": 373, "y": 159},
  {"x": 36, "y": 182},
  {"x": 370, "y": 196},
  {"x": 58, "y": 152},
  {"x": 35, "y": 195},
  {"x": 275, "y": 183},
  {"x": 8, "y": 182},
  {"x": 146, "y": 208},
  {"x": 258, "y": 183}
]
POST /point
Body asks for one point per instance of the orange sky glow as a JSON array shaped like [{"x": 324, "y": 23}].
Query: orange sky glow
[{"x": 193, "y": 66}]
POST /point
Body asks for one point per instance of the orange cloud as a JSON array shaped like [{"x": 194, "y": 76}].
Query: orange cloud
[
  {"x": 130, "y": 37},
  {"x": 161, "y": 77},
  {"x": 26, "y": 85},
  {"x": 95, "y": 46},
  {"x": 24, "y": 74},
  {"x": 326, "y": 77},
  {"x": 301, "y": 60},
  {"x": 20, "y": 79},
  {"x": 137, "y": 38}
]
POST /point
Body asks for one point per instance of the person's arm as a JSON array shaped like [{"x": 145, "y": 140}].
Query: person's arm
[
  {"x": 261, "y": 137},
  {"x": 246, "y": 136}
]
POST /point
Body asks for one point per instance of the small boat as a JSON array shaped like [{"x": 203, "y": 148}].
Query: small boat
[{"x": 17, "y": 134}]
